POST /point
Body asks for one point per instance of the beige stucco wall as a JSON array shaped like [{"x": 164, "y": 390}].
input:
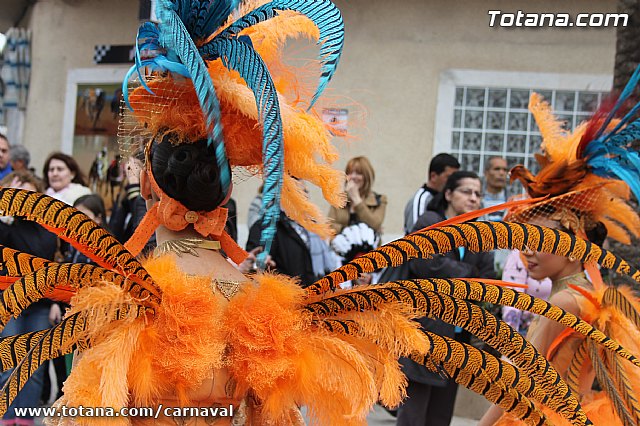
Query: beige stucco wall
[
  {"x": 393, "y": 57},
  {"x": 64, "y": 36}
]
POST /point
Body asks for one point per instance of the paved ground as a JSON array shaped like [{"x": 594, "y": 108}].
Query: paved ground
[{"x": 380, "y": 417}]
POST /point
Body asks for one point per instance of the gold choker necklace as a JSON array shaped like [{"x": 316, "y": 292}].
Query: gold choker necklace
[{"x": 185, "y": 245}]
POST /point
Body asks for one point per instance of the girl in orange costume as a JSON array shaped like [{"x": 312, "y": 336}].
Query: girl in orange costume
[{"x": 589, "y": 202}]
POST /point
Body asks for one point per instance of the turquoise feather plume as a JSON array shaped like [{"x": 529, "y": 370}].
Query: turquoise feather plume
[
  {"x": 171, "y": 46},
  {"x": 240, "y": 56},
  {"x": 612, "y": 154},
  {"x": 323, "y": 13}
]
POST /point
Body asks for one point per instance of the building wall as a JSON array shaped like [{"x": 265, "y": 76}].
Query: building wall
[
  {"x": 394, "y": 57},
  {"x": 390, "y": 71},
  {"x": 64, "y": 36}
]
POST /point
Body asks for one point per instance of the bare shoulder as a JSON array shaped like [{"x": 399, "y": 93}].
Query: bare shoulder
[{"x": 566, "y": 299}]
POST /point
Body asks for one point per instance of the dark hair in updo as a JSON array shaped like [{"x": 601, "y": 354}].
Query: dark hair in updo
[{"x": 187, "y": 172}]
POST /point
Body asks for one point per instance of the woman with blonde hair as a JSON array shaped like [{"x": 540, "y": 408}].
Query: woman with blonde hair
[{"x": 363, "y": 204}]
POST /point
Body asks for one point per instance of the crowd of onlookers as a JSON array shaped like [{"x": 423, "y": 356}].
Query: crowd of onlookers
[
  {"x": 297, "y": 252},
  {"x": 62, "y": 178}
]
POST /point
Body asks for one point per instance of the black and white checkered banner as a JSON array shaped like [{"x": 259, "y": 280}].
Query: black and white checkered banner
[{"x": 113, "y": 54}]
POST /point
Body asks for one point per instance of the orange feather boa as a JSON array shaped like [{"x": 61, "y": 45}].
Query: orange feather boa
[{"x": 261, "y": 338}]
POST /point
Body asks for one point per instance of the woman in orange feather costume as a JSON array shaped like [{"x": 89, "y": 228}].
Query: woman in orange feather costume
[
  {"x": 184, "y": 333},
  {"x": 217, "y": 338},
  {"x": 589, "y": 203}
]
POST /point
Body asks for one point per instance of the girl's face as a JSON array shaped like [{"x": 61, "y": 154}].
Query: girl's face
[
  {"x": 28, "y": 186},
  {"x": 60, "y": 176},
  {"x": 356, "y": 177},
  {"x": 84, "y": 209},
  {"x": 466, "y": 197},
  {"x": 544, "y": 265}
]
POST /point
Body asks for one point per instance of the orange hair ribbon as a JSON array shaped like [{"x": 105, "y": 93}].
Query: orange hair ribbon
[{"x": 176, "y": 217}]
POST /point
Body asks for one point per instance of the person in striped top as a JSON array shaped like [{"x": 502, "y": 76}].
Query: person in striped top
[{"x": 440, "y": 168}]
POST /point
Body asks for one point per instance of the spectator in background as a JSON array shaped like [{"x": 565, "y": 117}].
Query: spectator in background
[
  {"x": 19, "y": 158},
  {"x": 231, "y": 227},
  {"x": 295, "y": 251},
  {"x": 515, "y": 271},
  {"x": 363, "y": 204},
  {"x": 495, "y": 186},
  {"x": 63, "y": 178},
  {"x": 5, "y": 165},
  {"x": 255, "y": 208},
  {"x": 130, "y": 207},
  {"x": 430, "y": 397},
  {"x": 440, "y": 168},
  {"x": 93, "y": 206},
  {"x": 115, "y": 175},
  {"x": 28, "y": 237},
  {"x": 495, "y": 192}
]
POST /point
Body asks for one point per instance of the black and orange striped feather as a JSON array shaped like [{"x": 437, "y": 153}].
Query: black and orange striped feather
[
  {"x": 622, "y": 384},
  {"x": 466, "y": 315},
  {"x": 39, "y": 284},
  {"x": 369, "y": 297},
  {"x": 17, "y": 264},
  {"x": 83, "y": 233},
  {"x": 26, "y": 352},
  {"x": 609, "y": 386},
  {"x": 498, "y": 381},
  {"x": 477, "y": 237},
  {"x": 513, "y": 387},
  {"x": 576, "y": 367}
]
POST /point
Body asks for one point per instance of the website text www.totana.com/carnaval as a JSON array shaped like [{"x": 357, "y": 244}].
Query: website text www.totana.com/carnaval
[
  {"x": 155, "y": 412},
  {"x": 523, "y": 19}
]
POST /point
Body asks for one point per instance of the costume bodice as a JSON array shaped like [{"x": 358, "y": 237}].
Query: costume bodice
[{"x": 542, "y": 332}]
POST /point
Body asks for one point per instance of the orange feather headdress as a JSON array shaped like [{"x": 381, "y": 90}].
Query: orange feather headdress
[
  {"x": 203, "y": 74},
  {"x": 585, "y": 175}
]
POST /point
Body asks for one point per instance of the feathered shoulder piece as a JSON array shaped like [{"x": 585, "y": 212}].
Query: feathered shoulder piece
[
  {"x": 213, "y": 69},
  {"x": 586, "y": 174},
  {"x": 614, "y": 309}
]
